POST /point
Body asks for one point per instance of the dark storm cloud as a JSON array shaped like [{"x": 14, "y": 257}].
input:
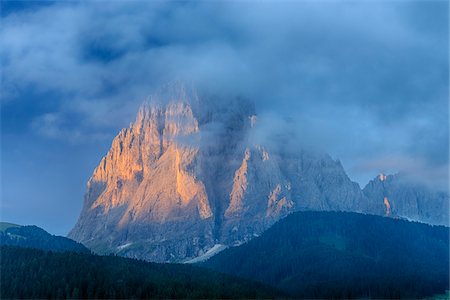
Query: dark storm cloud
[{"x": 365, "y": 81}]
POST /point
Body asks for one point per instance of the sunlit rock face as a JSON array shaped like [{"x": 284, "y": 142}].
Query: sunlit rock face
[
  {"x": 185, "y": 176},
  {"x": 260, "y": 195},
  {"x": 146, "y": 190},
  {"x": 405, "y": 198}
]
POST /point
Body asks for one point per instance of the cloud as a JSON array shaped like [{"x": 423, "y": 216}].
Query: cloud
[
  {"x": 415, "y": 168},
  {"x": 55, "y": 126},
  {"x": 48, "y": 125},
  {"x": 356, "y": 79}
]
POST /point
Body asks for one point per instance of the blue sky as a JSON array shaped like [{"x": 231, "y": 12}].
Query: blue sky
[{"x": 366, "y": 81}]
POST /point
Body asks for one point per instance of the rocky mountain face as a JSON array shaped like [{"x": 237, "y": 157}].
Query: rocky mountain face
[
  {"x": 184, "y": 177},
  {"x": 403, "y": 199}
]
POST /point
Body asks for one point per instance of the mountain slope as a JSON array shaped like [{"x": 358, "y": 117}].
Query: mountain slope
[
  {"x": 35, "y": 237},
  {"x": 331, "y": 254},
  {"x": 35, "y": 274}
]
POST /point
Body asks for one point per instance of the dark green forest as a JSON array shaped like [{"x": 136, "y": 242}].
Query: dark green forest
[
  {"x": 306, "y": 255},
  {"x": 37, "y": 274},
  {"x": 344, "y": 255},
  {"x": 35, "y": 237}
]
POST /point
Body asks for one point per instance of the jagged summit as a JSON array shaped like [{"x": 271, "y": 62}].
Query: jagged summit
[
  {"x": 156, "y": 179},
  {"x": 408, "y": 199},
  {"x": 184, "y": 177}
]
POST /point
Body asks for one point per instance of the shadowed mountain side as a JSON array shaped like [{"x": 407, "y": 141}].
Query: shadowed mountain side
[
  {"x": 35, "y": 237},
  {"x": 410, "y": 200},
  {"x": 344, "y": 255}
]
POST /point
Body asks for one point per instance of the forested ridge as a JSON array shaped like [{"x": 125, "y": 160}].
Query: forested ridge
[
  {"x": 344, "y": 255},
  {"x": 36, "y": 274},
  {"x": 306, "y": 255},
  {"x": 35, "y": 237}
]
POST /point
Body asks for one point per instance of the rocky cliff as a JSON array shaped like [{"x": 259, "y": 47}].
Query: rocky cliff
[
  {"x": 184, "y": 177},
  {"x": 403, "y": 198}
]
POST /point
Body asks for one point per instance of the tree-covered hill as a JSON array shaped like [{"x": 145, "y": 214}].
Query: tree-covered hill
[
  {"x": 36, "y": 274},
  {"x": 35, "y": 237},
  {"x": 344, "y": 255}
]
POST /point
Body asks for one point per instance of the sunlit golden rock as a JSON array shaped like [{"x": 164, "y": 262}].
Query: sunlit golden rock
[{"x": 388, "y": 206}]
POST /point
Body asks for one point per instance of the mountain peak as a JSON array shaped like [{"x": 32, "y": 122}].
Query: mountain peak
[{"x": 183, "y": 178}]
